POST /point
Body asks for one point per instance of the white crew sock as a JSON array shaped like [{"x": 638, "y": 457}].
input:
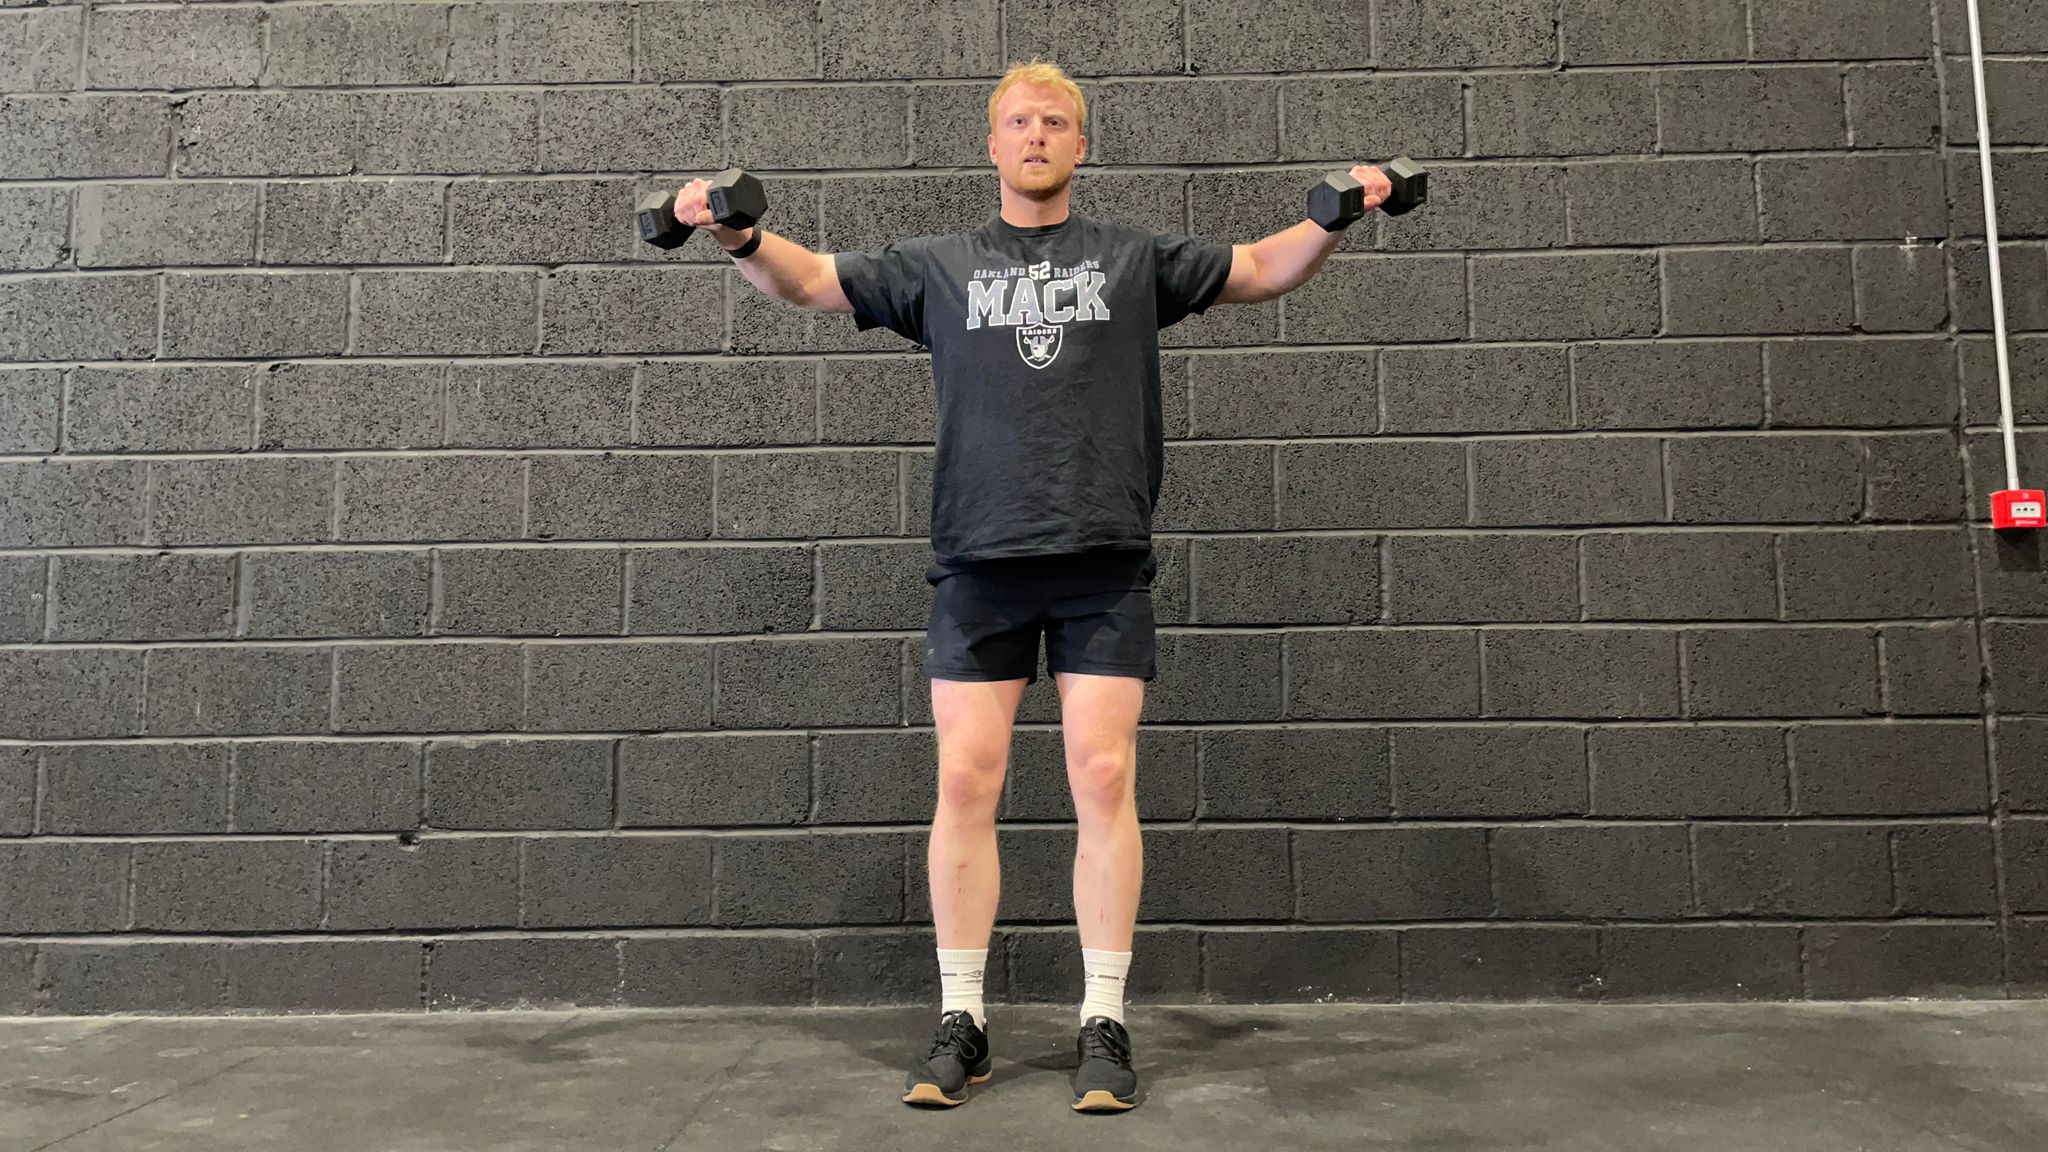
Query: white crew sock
[
  {"x": 960, "y": 978},
  {"x": 1104, "y": 973}
]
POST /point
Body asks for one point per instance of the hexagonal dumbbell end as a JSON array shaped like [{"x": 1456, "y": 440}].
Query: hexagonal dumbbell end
[
  {"x": 737, "y": 199},
  {"x": 658, "y": 224},
  {"x": 1336, "y": 203},
  {"x": 1411, "y": 186}
]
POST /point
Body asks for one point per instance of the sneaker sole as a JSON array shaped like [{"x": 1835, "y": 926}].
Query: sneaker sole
[
  {"x": 932, "y": 1096},
  {"x": 1101, "y": 1100}
]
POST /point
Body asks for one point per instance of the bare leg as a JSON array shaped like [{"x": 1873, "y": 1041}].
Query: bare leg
[
  {"x": 1099, "y": 718},
  {"x": 974, "y": 721}
]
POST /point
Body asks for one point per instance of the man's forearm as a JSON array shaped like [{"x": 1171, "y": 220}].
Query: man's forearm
[
  {"x": 1286, "y": 260},
  {"x": 782, "y": 269}
]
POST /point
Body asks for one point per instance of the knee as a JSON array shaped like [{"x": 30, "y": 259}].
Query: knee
[
  {"x": 971, "y": 785},
  {"x": 1101, "y": 781}
]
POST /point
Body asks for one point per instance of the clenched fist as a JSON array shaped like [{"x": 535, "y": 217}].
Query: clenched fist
[
  {"x": 1377, "y": 186},
  {"x": 693, "y": 208}
]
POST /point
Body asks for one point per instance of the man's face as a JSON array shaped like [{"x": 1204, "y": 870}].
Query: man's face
[{"x": 1037, "y": 140}]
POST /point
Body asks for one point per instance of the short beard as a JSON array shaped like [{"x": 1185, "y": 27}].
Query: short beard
[{"x": 1048, "y": 192}]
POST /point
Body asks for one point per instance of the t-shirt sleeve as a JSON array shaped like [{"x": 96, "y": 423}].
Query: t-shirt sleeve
[
  {"x": 1191, "y": 272},
  {"x": 886, "y": 287}
]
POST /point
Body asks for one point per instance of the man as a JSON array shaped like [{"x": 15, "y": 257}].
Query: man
[{"x": 1044, "y": 330}]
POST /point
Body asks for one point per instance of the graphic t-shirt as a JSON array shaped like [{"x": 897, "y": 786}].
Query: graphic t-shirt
[{"x": 1045, "y": 354}]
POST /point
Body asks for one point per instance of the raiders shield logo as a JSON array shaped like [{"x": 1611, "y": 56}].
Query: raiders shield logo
[{"x": 1039, "y": 345}]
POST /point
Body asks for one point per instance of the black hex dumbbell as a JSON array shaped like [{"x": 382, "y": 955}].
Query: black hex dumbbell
[
  {"x": 737, "y": 201},
  {"x": 1339, "y": 201}
]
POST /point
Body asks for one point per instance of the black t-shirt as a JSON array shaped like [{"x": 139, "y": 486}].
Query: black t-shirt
[{"x": 1045, "y": 354}]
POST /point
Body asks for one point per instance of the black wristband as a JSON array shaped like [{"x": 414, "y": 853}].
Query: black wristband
[{"x": 747, "y": 249}]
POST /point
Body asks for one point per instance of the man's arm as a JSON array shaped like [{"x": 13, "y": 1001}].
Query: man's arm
[
  {"x": 792, "y": 273},
  {"x": 1287, "y": 259}
]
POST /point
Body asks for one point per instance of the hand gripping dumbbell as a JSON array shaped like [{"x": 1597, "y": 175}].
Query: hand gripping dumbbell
[
  {"x": 737, "y": 201},
  {"x": 1339, "y": 201}
]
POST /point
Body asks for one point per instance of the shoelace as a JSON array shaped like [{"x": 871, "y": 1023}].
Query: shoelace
[
  {"x": 1099, "y": 1041},
  {"x": 951, "y": 1039}
]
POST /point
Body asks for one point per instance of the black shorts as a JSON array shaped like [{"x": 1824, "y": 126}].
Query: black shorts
[{"x": 1094, "y": 610}]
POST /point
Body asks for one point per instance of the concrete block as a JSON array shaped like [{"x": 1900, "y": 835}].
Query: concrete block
[
  {"x": 448, "y": 132},
  {"x": 175, "y": 409},
  {"x": 84, "y": 137},
  {"x": 633, "y": 129},
  {"x": 1217, "y": 874},
  {"x": 1185, "y": 122},
  {"x": 606, "y": 881},
  {"x": 607, "y": 311},
  {"x": 864, "y": 39},
  {"x": 1456, "y": 578},
  {"x": 243, "y": 501},
  {"x": 1213, "y": 677},
  {"x": 1524, "y": 771},
  {"x": 123, "y": 977},
  {"x": 2019, "y": 664},
  {"x": 2020, "y": 749},
  {"x": 718, "y": 780},
  {"x": 877, "y": 401},
  {"x": 1392, "y": 873},
  {"x": 237, "y": 314},
  {"x": 2024, "y": 270},
  {"x": 1393, "y": 485},
  {"x": 453, "y": 313},
  {"x": 1803, "y": 30},
  {"x": 819, "y": 879},
  {"x": 619, "y": 687},
  {"x": 30, "y": 404},
  {"x": 1295, "y": 773},
  {"x": 1878, "y": 575},
  {"x": 353, "y": 222},
  {"x": 129, "y": 789},
  {"x": 1138, "y": 37},
  {"x": 1367, "y": 119},
  {"x": 1899, "y": 106},
  {"x": 75, "y": 317},
  {"x": 368, "y": 406},
  {"x": 1706, "y": 961},
  {"x": 428, "y": 688},
  {"x": 207, "y": 46},
  {"x": 35, "y": 227},
  {"x": 2022, "y": 200},
  {"x": 1592, "y": 871},
  {"x": 1662, "y": 202},
  {"x": 1242, "y": 205},
  {"x": 2011, "y": 574},
  {"x": 40, "y": 49},
  {"x": 2014, "y": 89},
  {"x": 1914, "y": 769},
  {"x": 228, "y": 886},
  {"x": 545, "y": 784},
  {"x": 432, "y": 497},
  {"x": 1465, "y": 33},
  {"x": 885, "y": 777},
  {"x": 1475, "y": 389},
  {"x": 1565, "y": 297},
  {"x": 1271, "y": 36},
  {"x": 874, "y": 585},
  {"x": 386, "y": 43},
  {"x": 254, "y": 134},
  {"x": 1283, "y": 394},
  {"x": 540, "y": 43},
  {"x": 826, "y": 128},
  {"x": 729, "y": 40},
  {"x": 240, "y": 690},
  {"x": 1528, "y": 481},
  {"x": 1793, "y": 870},
  {"x": 1751, "y": 110},
  {"x": 1596, "y": 674},
  {"x": 151, "y": 225},
  {"x": 326, "y": 786},
  {"x": 1297, "y": 965},
  {"x": 1862, "y": 961},
  {"x": 1621, "y": 32},
  {"x": 553, "y": 591},
  {"x": 1680, "y": 576},
  {"x": 858, "y": 213},
  {"x": 1986, "y": 462},
  {"x": 1765, "y": 479},
  {"x": 620, "y": 497},
  {"x": 1781, "y": 672},
  {"x": 1703, "y": 770},
  {"x": 24, "y": 598},
  {"x": 1507, "y": 962},
  {"x": 787, "y": 683},
  {"x": 1763, "y": 290},
  {"x": 1220, "y": 487},
  {"x": 58, "y": 504},
  {"x": 739, "y": 404},
  {"x": 1889, "y": 195},
  {"x": 540, "y": 404},
  {"x": 1406, "y": 673},
  {"x": 719, "y": 590},
  {"x": 1668, "y": 384},
  {"x": 66, "y": 693},
  {"x": 541, "y": 221},
  {"x": 178, "y": 596},
  {"x": 1286, "y": 579},
  {"x": 2006, "y": 27},
  {"x": 726, "y": 969},
  {"x": 63, "y": 887},
  {"x": 1564, "y": 113},
  {"x": 432, "y": 883},
  {"x": 949, "y": 122},
  {"x": 1430, "y": 306},
  {"x": 1457, "y": 216},
  {"x": 1900, "y": 288},
  {"x": 324, "y": 975},
  {"x": 1913, "y": 476},
  {"x": 807, "y": 494},
  {"x": 523, "y": 972},
  {"x": 1863, "y": 382},
  {"x": 1932, "y": 669}
]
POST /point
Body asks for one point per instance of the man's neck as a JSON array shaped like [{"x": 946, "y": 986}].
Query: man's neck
[{"x": 1021, "y": 211}]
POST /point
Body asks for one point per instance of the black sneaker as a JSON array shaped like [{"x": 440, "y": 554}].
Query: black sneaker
[
  {"x": 1105, "y": 1081},
  {"x": 959, "y": 1056}
]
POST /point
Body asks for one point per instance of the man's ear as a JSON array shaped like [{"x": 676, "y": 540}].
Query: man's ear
[{"x": 1081, "y": 150}]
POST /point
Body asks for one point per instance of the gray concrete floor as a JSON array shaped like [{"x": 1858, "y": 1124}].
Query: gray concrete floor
[{"x": 1627, "y": 1078}]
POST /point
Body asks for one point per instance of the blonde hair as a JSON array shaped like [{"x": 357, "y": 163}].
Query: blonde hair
[{"x": 1039, "y": 72}]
